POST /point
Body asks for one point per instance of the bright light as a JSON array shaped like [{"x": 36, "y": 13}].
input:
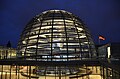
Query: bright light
[
  {"x": 79, "y": 28},
  {"x": 109, "y": 52},
  {"x": 82, "y": 36}
]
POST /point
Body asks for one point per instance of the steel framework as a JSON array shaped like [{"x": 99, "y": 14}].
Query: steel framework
[{"x": 56, "y": 35}]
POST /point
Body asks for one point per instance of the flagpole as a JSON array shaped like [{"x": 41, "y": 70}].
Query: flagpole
[{"x": 99, "y": 41}]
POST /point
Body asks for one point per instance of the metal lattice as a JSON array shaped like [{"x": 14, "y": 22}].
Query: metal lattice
[{"x": 56, "y": 35}]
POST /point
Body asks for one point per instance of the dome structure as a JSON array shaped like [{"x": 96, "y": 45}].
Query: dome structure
[{"x": 56, "y": 35}]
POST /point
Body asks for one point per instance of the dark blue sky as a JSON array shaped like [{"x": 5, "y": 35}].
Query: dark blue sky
[{"x": 101, "y": 16}]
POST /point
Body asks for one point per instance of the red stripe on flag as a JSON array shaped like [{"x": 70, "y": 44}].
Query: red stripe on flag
[{"x": 101, "y": 37}]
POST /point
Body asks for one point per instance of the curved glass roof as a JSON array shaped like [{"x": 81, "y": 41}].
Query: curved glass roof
[{"x": 56, "y": 35}]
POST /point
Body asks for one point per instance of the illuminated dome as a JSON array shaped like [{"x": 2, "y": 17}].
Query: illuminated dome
[{"x": 56, "y": 35}]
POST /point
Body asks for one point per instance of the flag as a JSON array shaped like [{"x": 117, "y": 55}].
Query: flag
[{"x": 101, "y": 37}]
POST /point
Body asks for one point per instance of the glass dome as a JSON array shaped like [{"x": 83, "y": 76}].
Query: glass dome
[{"x": 56, "y": 35}]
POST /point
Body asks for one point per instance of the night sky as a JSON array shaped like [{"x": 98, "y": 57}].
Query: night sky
[{"x": 100, "y": 16}]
